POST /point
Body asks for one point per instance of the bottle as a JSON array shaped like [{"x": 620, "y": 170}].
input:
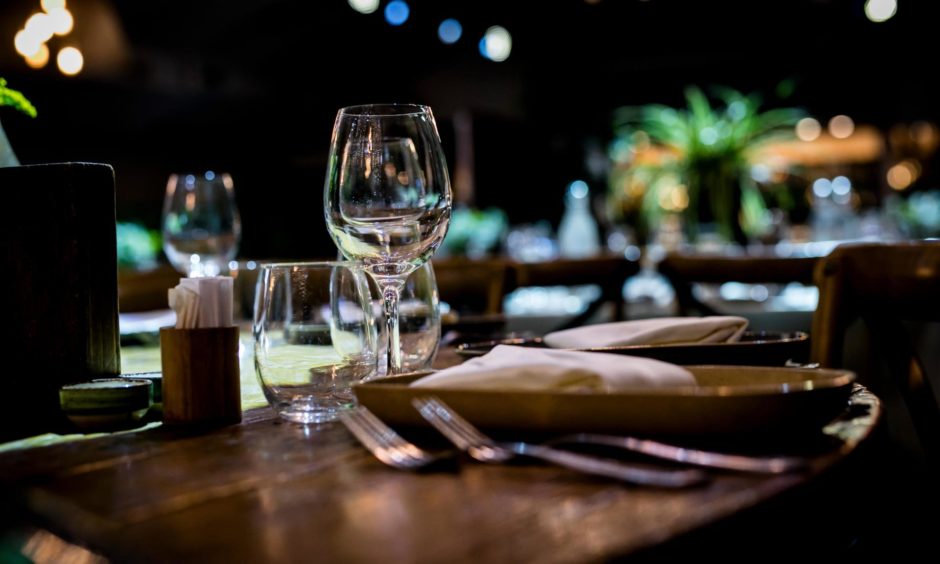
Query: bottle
[{"x": 577, "y": 233}]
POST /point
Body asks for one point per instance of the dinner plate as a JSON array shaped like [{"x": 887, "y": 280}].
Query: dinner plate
[
  {"x": 727, "y": 400},
  {"x": 756, "y": 348}
]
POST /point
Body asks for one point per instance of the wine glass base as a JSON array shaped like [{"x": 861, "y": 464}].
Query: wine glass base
[{"x": 312, "y": 409}]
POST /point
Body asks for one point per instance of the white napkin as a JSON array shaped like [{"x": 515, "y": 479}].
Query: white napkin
[
  {"x": 659, "y": 331},
  {"x": 525, "y": 368},
  {"x": 202, "y": 302}
]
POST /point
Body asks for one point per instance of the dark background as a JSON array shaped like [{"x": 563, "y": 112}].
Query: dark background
[{"x": 252, "y": 87}]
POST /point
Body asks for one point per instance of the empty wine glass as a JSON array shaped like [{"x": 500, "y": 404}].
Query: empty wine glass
[
  {"x": 201, "y": 225},
  {"x": 387, "y": 198}
]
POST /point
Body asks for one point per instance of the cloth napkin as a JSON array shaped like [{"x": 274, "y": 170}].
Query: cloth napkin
[
  {"x": 659, "y": 331},
  {"x": 525, "y": 368}
]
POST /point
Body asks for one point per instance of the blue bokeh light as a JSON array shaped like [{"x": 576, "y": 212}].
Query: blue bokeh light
[
  {"x": 397, "y": 12},
  {"x": 450, "y": 31}
]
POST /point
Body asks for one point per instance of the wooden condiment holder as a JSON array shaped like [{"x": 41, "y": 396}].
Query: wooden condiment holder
[{"x": 201, "y": 382}]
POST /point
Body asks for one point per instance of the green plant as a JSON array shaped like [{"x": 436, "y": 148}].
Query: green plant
[
  {"x": 700, "y": 163},
  {"x": 137, "y": 246},
  {"x": 15, "y": 99}
]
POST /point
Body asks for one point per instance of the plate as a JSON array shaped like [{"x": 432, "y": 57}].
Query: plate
[
  {"x": 756, "y": 348},
  {"x": 728, "y": 400}
]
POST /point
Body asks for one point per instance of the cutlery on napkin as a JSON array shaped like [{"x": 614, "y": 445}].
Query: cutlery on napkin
[
  {"x": 658, "y": 331},
  {"x": 525, "y": 368}
]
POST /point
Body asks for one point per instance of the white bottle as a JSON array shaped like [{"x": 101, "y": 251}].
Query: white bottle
[{"x": 577, "y": 233}]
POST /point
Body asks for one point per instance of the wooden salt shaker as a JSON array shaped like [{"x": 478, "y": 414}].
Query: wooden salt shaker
[{"x": 200, "y": 376}]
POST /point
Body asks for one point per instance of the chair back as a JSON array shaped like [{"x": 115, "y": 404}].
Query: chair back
[{"x": 884, "y": 285}]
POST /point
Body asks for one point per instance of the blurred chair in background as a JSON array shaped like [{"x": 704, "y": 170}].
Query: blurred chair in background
[
  {"x": 893, "y": 289},
  {"x": 473, "y": 286},
  {"x": 683, "y": 271}
]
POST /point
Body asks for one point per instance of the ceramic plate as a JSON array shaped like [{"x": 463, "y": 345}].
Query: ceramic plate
[
  {"x": 740, "y": 400},
  {"x": 764, "y": 348}
]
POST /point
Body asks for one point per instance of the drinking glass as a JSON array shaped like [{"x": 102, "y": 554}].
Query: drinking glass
[
  {"x": 201, "y": 225},
  {"x": 314, "y": 337},
  {"x": 387, "y": 198}
]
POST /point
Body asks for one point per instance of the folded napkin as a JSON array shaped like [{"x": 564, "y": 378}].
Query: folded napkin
[
  {"x": 525, "y": 368},
  {"x": 660, "y": 331}
]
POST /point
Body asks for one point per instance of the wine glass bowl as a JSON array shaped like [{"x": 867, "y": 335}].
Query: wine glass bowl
[
  {"x": 387, "y": 198},
  {"x": 201, "y": 224}
]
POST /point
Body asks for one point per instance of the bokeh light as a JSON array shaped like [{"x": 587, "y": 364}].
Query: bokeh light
[
  {"x": 40, "y": 58},
  {"x": 62, "y": 21},
  {"x": 49, "y": 5},
  {"x": 808, "y": 129},
  {"x": 450, "y": 31},
  {"x": 822, "y": 187},
  {"x": 397, "y": 12},
  {"x": 880, "y": 10},
  {"x": 70, "y": 61},
  {"x": 841, "y": 127},
  {"x": 364, "y": 6},
  {"x": 26, "y": 44},
  {"x": 496, "y": 44},
  {"x": 39, "y": 26}
]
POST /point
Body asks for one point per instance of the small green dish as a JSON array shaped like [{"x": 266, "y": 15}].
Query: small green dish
[
  {"x": 155, "y": 377},
  {"x": 107, "y": 404}
]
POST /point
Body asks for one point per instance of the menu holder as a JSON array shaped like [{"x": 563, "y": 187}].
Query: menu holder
[{"x": 59, "y": 255}]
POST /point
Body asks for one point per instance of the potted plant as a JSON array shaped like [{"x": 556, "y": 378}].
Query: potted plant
[
  {"x": 14, "y": 98},
  {"x": 696, "y": 161}
]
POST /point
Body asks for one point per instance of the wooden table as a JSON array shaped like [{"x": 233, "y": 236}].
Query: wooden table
[{"x": 270, "y": 491}]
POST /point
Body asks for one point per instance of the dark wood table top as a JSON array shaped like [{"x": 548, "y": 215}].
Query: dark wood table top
[{"x": 271, "y": 491}]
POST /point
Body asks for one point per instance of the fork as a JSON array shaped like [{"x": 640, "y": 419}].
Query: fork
[
  {"x": 383, "y": 442},
  {"x": 468, "y": 438},
  {"x": 696, "y": 457}
]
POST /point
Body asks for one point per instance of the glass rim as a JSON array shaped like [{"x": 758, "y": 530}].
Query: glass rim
[
  {"x": 358, "y": 265},
  {"x": 385, "y": 110}
]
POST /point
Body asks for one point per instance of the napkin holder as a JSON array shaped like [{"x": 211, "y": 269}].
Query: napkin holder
[{"x": 201, "y": 384}]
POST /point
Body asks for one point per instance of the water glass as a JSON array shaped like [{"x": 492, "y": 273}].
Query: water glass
[
  {"x": 314, "y": 337},
  {"x": 201, "y": 224}
]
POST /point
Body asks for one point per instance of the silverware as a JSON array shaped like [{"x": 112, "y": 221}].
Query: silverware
[
  {"x": 739, "y": 462},
  {"x": 383, "y": 442},
  {"x": 480, "y": 447}
]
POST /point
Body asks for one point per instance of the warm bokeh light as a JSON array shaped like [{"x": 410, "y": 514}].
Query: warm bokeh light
[
  {"x": 496, "y": 44},
  {"x": 26, "y": 44},
  {"x": 808, "y": 129},
  {"x": 62, "y": 21},
  {"x": 40, "y": 58},
  {"x": 364, "y": 6},
  {"x": 40, "y": 26},
  {"x": 49, "y": 5},
  {"x": 841, "y": 127},
  {"x": 901, "y": 176},
  {"x": 880, "y": 10},
  {"x": 397, "y": 12},
  {"x": 70, "y": 61},
  {"x": 450, "y": 31}
]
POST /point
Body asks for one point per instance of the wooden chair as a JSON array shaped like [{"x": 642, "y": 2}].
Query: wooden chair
[
  {"x": 683, "y": 271},
  {"x": 473, "y": 286},
  {"x": 884, "y": 285},
  {"x": 608, "y": 272}
]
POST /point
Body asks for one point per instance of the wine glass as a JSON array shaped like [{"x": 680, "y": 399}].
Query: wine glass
[
  {"x": 201, "y": 225},
  {"x": 387, "y": 198}
]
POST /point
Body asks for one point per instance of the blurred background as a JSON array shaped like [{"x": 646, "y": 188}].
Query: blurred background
[{"x": 534, "y": 101}]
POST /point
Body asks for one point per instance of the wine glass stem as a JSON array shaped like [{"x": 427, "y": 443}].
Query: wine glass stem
[{"x": 391, "y": 294}]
